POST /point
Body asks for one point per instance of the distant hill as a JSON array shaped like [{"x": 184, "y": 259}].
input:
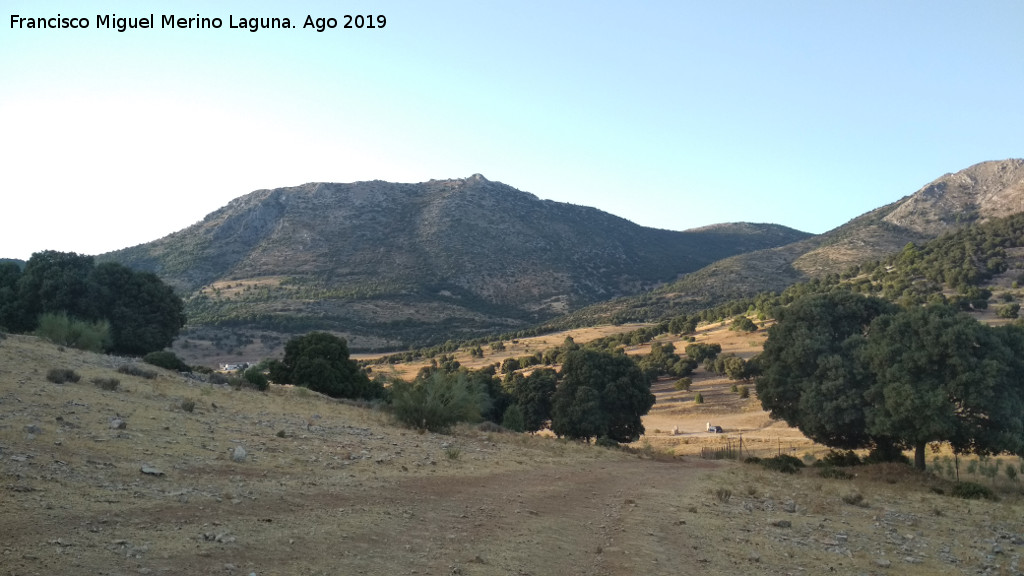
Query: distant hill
[
  {"x": 391, "y": 264},
  {"x": 974, "y": 195}
]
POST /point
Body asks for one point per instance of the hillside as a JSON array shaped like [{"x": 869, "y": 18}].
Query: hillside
[
  {"x": 138, "y": 481},
  {"x": 392, "y": 264},
  {"x": 974, "y": 195}
]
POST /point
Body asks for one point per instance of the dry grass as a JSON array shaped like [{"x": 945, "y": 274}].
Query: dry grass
[{"x": 345, "y": 491}]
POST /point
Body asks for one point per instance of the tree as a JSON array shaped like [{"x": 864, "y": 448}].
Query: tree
[
  {"x": 10, "y": 308},
  {"x": 533, "y": 395},
  {"x": 700, "y": 352},
  {"x": 320, "y": 361},
  {"x": 939, "y": 375},
  {"x": 600, "y": 394},
  {"x": 811, "y": 374},
  {"x": 438, "y": 400},
  {"x": 145, "y": 314},
  {"x": 743, "y": 324},
  {"x": 55, "y": 282}
]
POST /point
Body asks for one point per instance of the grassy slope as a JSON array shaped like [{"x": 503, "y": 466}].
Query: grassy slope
[{"x": 344, "y": 491}]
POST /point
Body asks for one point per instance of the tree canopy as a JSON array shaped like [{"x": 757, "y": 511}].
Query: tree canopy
[
  {"x": 320, "y": 361},
  {"x": 857, "y": 372},
  {"x": 144, "y": 313},
  {"x": 600, "y": 394}
]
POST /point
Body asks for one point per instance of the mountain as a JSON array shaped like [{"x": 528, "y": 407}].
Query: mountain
[
  {"x": 974, "y": 195},
  {"x": 391, "y": 264}
]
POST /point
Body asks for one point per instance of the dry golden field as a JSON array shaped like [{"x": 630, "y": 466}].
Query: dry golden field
[{"x": 327, "y": 488}]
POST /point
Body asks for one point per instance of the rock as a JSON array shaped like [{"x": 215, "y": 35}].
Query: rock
[
  {"x": 782, "y": 524},
  {"x": 33, "y": 429},
  {"x": 882, "y": 563},
  {"x": 238, "y": 454},
  {"x": 789, "y": 506},
  {"x": 152, "y": 471},
  {"x": 118, "y": 424}
]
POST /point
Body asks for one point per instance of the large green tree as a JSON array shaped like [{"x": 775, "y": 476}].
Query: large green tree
[
  {"x": 939, "y": 375},
  {"x": 533, "y": 395},
  {"x": 320, "y": 361},
  {"x": 144, "y": 313},
  {"x": 600, "y": 394},
  {"x": 811, "y": 374},
  {"x": 856, "y": 372},
  {"x": 55, "y": 282}
]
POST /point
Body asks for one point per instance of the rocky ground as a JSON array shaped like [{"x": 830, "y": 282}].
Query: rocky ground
[{"x": 174, "y": 476}]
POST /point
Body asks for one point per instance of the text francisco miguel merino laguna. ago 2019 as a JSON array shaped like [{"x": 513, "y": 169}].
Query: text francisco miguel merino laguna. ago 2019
[{"x": 253, "y": 24}]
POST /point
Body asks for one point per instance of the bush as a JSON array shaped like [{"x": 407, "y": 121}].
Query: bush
[
  {"x": 841, "y": 458},
  {"x": 782, "y": 463},
  {"x": 683, "y": 384},
  {"x": 855, "y": 499},
  {"x": 166, "y": 359},
  {"x": 513, "y": 418},
  {"x": 109, "y": 384},
  {"x": 133, "y": 370},
  {"x": 62, "y": 375},
  {"x": 256, "y": 378},
  {"x": 833, "y": 472},
  {"x": 972, "y": 491},
  {"x": 744, "y": 391},
  {"x": 438, "y": 401},
  {"x": 1008, "y": 310},
  {"x": 698, "y": 399},
  {"x": 218, "y": 378},
  {"x": 606, "y": 442},
  {"x": 63, "y": 330},
  {"x": 188, "y": 405}
]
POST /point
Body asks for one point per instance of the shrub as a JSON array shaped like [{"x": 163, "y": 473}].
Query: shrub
[
  {"x": 723, "y": 495},
  {"x": 782, "y": 463},
  {"x": 133, "y": 370},
  {"x": 437, "y": 401},
  {"x": 62, "y": 375},
  {"x": 698, "y": 399},
  {"x": 188, "y": 405},
  {"x": 606, "y": 442},
  {"x": 166, "y": 359},
  {"x": 854, "y": 499},
  {"x": 744, "y": 391},
  {"x": 109, "y": 384},
  {"x": 841, "y": 458},
  {"x": 1008, "y": 310},
  {"x": 218, "y": 378},
  {"x": 972, "y": 491},
  {"x": 833, "y": 472},
  {"x": 513, "y": 418},
  {"x": 683, "y": 384},
  {"x": 63, "y": 330},
  {"x": 256, "y": 378}
]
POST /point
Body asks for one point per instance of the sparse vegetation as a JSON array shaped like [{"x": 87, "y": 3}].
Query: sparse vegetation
[
  {"x": 134, "y": 370},
  {"x": 59, "y": 328},
  {"x": 972, "y": 491},
  {"x": 109, "y": 384},
  {"x": 166, "y": 359},
  {"x": 62, "y": 375}
]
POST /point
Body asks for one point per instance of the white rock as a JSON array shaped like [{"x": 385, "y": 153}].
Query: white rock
[{"x": 238, "y": 454}]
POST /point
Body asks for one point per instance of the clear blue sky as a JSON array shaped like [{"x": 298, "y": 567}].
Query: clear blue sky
[{"x": 671, "y": 114}]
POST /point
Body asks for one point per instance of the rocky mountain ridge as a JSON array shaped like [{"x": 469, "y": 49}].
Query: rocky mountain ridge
[{"x": 392, "y": 264}]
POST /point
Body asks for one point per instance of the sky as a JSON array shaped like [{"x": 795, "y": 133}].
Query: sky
[{"x": 673, "y": 114}]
